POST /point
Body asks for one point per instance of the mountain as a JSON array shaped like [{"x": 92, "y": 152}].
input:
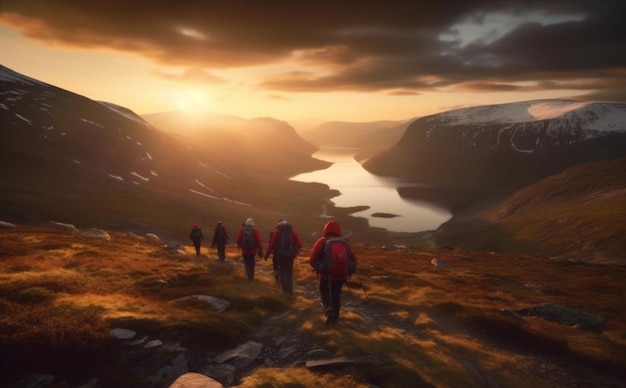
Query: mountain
[
  {"x": 264, "y": 145},
  {"x": 505, "y": 146},
  {"x": 68, "y": 158},
  {"x": 375, "y": 135},
  {"x": 577, "y": 213}
]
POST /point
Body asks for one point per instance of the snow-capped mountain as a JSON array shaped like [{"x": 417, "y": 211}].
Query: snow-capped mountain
[{"x": 506, "y": 145}]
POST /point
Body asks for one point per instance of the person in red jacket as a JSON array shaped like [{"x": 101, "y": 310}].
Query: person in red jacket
[
  {"x": 285, "y": 243},
  {"x": 251, "y": 244},
  {"x": 331, "y": 277}
]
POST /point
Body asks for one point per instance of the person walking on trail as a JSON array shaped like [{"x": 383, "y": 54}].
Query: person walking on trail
[
  {"x": 196, "y": 237},
  {"x": 333, "y": 260},
  {"x": 285, "y": 243},
  {"x": 275, "y": 263},
  {"x": 220, "y": 238},
  {"x": 251, "y": 244}
]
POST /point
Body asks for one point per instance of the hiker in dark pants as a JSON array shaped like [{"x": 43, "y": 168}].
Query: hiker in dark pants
[
  {"x": 285, "y": 243},
  {"x": 275, "y": 263},
  {"x": 333, "y": 260},
  {"x": 220, "y": 238},
  {"x": 196, "y": 237},
  {"x": 251, "y": 244}
]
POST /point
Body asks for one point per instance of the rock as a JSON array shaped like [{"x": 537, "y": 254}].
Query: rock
[
  {"x": 318, "y": 354},
  {"x": 241, "y": 356},
  {"x": 342, "y": 361},
  {"x": 174, "y": 247},
  {"x": 153, "y": 237},
  {"x": 195, "y": 380},
  {"x": 37, "y": 381},
  {"x": 565, "y": 315},
  {"x": 7, "y": 225},
  {"x": 439, "y": 263},
  {"x": 69, "y": 228},
  {"x": 96, "y": 233},
  {"x": 224, "y": 373},
  {"x": 123, "y": 334},
  {"x": 153, "y": 344},
  {"x": 219, "y": 304}
]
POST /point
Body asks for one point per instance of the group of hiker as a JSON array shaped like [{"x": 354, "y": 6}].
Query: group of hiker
[{"x": 331, "y": 257}]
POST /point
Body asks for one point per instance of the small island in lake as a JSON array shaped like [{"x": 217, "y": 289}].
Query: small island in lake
[{"x": 385, "y": 215}]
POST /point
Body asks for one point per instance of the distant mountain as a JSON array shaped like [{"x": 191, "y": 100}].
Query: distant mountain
[
  {"x": 577, "y": 213},
  {"x": 372, "y": 136},
  {"x": 262, "y": 144},
  {"x": 71, "y": 159},
  {"x": 505, "y": 146}
]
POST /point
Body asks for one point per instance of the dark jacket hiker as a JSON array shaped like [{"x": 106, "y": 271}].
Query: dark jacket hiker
[
  {"x": 196, "y": 237},
  {"x": 220, "y": 238}
]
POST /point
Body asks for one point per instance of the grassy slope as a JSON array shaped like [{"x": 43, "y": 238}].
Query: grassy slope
[
  {"x": 578, "y": 212},
  {"x": 62, "y": 293}
]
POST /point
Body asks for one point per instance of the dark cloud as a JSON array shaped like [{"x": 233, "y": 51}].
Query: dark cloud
[{"x": 393, "y": 46}]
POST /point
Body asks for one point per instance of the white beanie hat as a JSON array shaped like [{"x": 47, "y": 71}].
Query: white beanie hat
[{"x": 249, "y": 222}]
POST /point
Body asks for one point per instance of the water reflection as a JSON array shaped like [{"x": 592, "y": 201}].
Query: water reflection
[{"x": 359, "y": 187}]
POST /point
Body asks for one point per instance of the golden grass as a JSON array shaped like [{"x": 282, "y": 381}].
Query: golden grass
[{"x": 425, "y": 326}]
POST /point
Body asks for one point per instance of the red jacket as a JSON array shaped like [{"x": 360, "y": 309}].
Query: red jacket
[
  {"x": 331, "y": 229},
  {"x": 259, "y": 241}
]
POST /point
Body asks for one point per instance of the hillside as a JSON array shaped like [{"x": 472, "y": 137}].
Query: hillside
[
  {"x": 505, "y": 146},
  {"x": 577, "y": 213},
  {"x": 90, "y": 163},
  {"x": 474, "y": 319}
]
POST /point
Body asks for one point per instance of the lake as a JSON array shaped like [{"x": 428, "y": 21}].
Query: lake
[{"x": 360, "y": 188}]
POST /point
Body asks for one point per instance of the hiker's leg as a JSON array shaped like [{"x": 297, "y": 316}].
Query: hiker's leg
[
  {"x": 325, "y": 292},
  {"x": 336, "y": 296},
  {"x": 276, "y": 268},
  {"x": 286, "y": 273},
  {"x": 221, "y": 251},
  {"x": 248, "y": 262}
]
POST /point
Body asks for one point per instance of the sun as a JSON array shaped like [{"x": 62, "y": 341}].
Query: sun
[{"x": 193, "y": 102}]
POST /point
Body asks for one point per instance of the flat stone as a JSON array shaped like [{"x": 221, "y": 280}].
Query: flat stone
[{"x": 123, "y": 334}]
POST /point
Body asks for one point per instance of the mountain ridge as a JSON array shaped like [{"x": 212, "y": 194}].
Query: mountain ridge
[{"x": 476, "y": 148}]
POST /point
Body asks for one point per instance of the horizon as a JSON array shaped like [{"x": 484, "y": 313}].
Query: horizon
[{"x": 318, "y": 61}]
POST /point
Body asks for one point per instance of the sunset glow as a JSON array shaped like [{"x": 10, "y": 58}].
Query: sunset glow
[{"x": 323, "y": 60}]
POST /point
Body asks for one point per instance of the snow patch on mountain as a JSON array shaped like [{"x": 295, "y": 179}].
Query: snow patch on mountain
[{"x": 587, "y": 115}]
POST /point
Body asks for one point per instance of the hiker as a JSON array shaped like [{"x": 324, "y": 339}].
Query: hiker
[
  {"x": 275, "y": 263},
  {"x": 220, "y": 238},
  {"x": 285, "y": 243},
  {"x": 196, "y": 237},
  {"x": 333, "y": 260},
  {"x": 251, "y": 244}
]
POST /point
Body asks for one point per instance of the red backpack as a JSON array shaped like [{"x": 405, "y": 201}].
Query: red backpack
[{"x": 337, "y": 259}]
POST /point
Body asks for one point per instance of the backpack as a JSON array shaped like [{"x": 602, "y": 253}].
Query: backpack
[
  {"x": 220, "y": 235},
  {"x": 248, "y": 240},
  {"x": 285, "y": 244},
  {"x": 337, "y": 259},
  {"x": 196, "y": 234}
]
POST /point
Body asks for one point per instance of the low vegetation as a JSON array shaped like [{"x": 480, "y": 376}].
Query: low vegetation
[{"x": 61, "y": 294}]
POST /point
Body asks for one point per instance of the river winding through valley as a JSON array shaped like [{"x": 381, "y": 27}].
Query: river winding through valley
[{"x": 358, "y": 187}]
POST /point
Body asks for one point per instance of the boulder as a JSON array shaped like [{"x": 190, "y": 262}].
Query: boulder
[{"x": 565, "y": 315}]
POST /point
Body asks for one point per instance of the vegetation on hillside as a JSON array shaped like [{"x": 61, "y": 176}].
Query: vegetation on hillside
[{"x": 428, "y": 326}]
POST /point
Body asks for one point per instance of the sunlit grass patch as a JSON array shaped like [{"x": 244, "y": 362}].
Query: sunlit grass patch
[{"x": 298, "y": 378}]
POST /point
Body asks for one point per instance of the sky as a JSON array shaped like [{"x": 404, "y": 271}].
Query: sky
[{"x": 301, "y": 60}]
